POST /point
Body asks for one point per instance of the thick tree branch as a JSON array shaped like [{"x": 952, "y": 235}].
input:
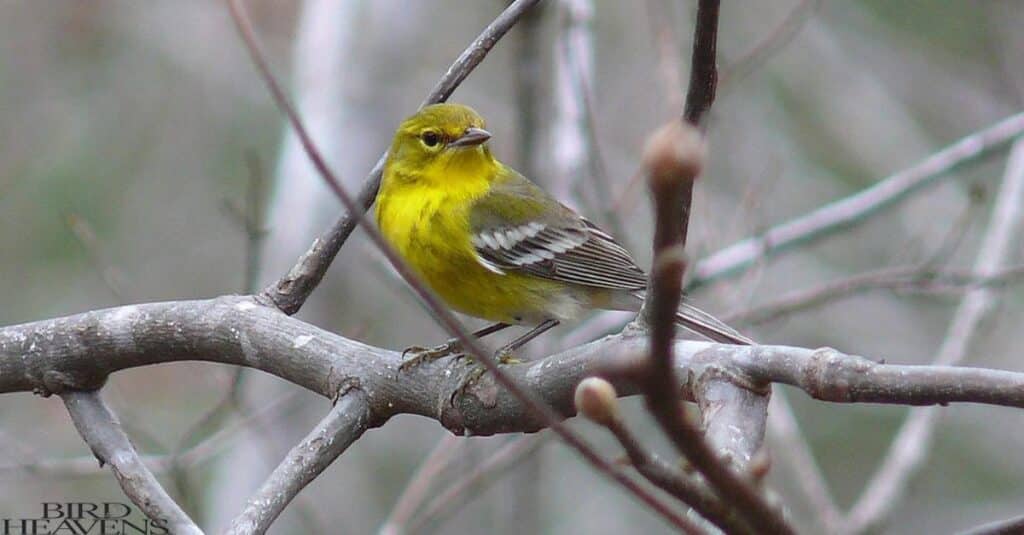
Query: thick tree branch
[
  {"x": 342, "y": 426},
  {"x": 856, "y": 208},
  {"x": 734, "y": 417},
  {"x": 102, "y": 432},
  {"x": 55, "y": 355},
  {"x": 52, "y": 356}
]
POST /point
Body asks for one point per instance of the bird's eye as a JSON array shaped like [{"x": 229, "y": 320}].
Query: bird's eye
[{"x": 430, "y": 138}]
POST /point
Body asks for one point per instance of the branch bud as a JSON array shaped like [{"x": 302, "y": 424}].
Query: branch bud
[
  {"x": 597, "y": 400},
  {"x": 673, "y": 153}
]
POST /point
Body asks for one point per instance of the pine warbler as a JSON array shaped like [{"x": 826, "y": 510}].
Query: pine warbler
[{"x": 491, "y": 243}]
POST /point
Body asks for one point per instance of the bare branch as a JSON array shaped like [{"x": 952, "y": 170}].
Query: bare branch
[
  {"x": 291, "y": 291},
  {"x": 108, "y": 442},
  {"x": 665, "y": 42},
  {"x": 912, "y": 443},
  {"x": 793, "y": 447},
  {"x": 112, "y": 277},
  {"x": 673, "y": 158},
  {"x": 901, "y": 278},
  {"x": 734, "y": 417},
  {"x": 575, "y": 150},
  {"x": 418, "y": 487},
  {"x": 463, "y": 490},
  {"x": 50, "y": 356},
  {"x": 856, "y": 208},
  {"x": 778, "y": 38},
  {"x": 192, "y": 456},
  {"x": 255, "y": 231},
  {"x": 734, "y": 428},
  {"x": 342, "y": 426},
  {"x": 596, "y": 399},
  {"x": 703, "y": 66},
  {"x": 1009, "y": 526}
]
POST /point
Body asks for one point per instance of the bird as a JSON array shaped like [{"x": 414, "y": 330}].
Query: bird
[{"x": 494, "y": 245}]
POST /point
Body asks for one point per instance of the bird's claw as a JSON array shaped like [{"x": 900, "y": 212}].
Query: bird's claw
[
  {"x": 505, "y": 356},
  {"x": 502, "y": 356},
  {"x": 420, "y": 354}
]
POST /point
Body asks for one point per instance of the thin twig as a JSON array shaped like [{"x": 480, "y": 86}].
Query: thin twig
[
  {"x": 667, "y": 47},
  {"x": 112, "y": 276},
  {"x": 1010, "y": 526},
  {"x": 472, "y": 485},
  {"x": 440, "y": 312},
  {"x": 342, "y": 426},
  {"x": 673, "y": 159},
  {"x": 673, "y": 481},
  {"x": 576, "y": 151},
  {"x": 108, "y": 442},
  {"x": 792, "y": 446},
  {"x": 856, "y": 208},
  {"x": 912, "y": 442},
  {"x": 775, "y": 41},
  {"x": 416, "y": 490},
  {"x": 255, "y": 233},
  {"x": 700, "y": 94},
  {"x": 917, "y": 279},
  {"x": 191, "y": 457}
]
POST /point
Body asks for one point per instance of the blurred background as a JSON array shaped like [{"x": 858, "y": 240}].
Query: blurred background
[{"x": 135, "y": 138}]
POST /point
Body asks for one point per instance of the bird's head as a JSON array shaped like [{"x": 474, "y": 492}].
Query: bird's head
[{"x": 441, "y": 140}]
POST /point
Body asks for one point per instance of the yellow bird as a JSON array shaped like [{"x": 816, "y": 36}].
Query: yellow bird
[{"x": 494, "y": 245}]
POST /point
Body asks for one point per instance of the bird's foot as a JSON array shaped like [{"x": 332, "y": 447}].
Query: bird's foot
[
  {"x": 415, "y": 355},
  {"x": 477, "y": 370}
]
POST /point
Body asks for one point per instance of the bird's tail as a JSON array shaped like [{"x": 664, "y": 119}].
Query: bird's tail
[
  {"x": 696, "y": 320},
  {"x": 708, "y": 326}
]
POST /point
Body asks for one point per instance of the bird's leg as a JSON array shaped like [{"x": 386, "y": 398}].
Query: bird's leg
[
  {"x": 453, "y": 346},
  {"x": 504, "y": 355}
]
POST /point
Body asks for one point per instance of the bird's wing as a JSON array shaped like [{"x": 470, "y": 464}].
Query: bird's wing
[{"x": 519, "y": 227}]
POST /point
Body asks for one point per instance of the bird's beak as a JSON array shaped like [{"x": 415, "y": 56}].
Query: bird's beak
[{"x": 471, "y": 138}]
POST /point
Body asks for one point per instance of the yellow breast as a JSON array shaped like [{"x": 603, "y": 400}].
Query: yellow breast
[{"x": 429, "y": 227}]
